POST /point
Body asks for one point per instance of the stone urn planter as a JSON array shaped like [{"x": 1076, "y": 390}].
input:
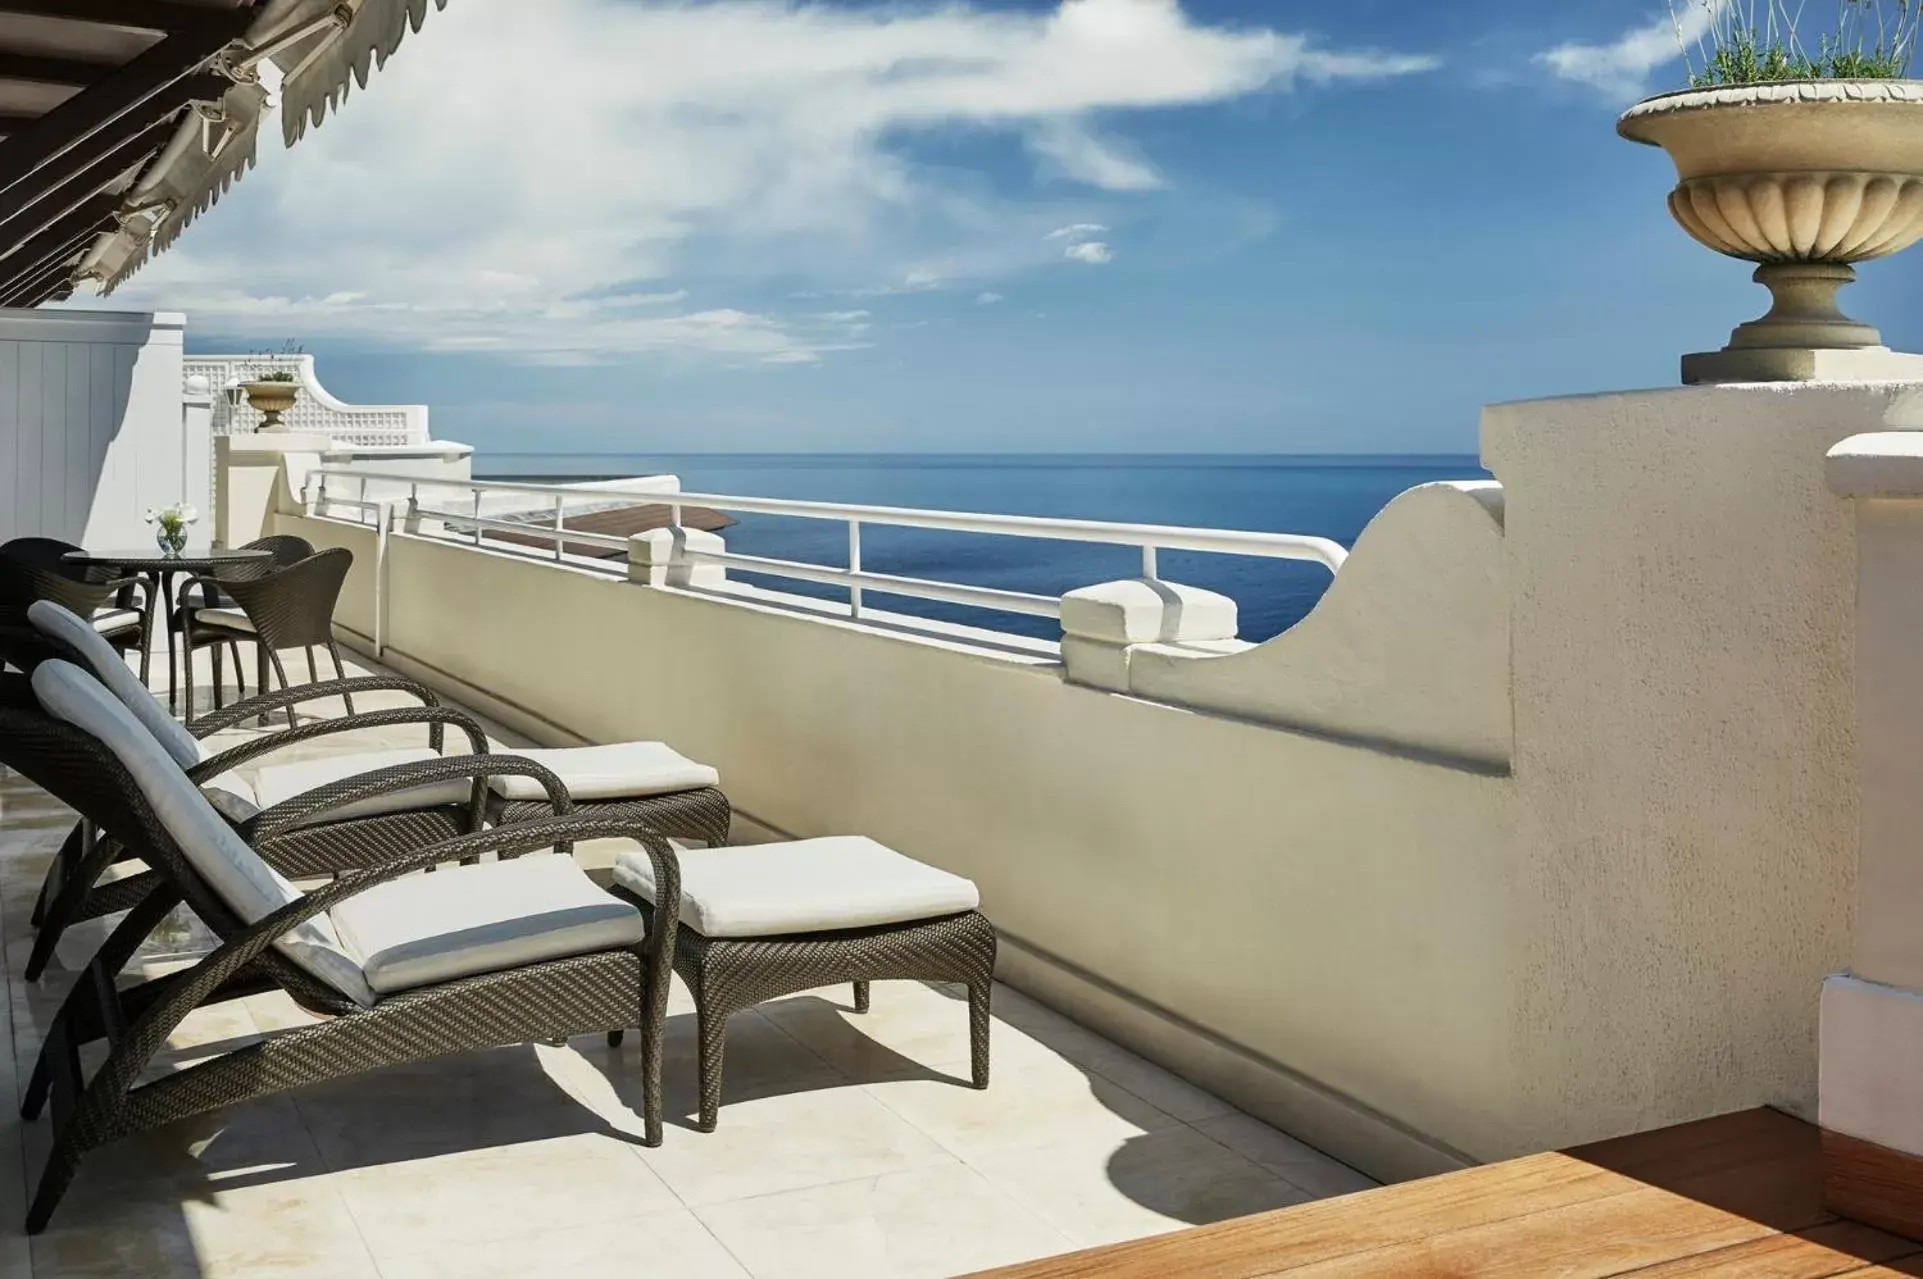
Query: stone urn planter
[
  {"x": 271, "y": 399},
  {"x": 1804, "y": 178}
]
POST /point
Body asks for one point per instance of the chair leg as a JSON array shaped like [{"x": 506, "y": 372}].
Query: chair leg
[
  {"x": 313, "y": 672},
  {"x": 187, "y": 679},
  {"x": 862, "y": 995},
  {"x": 220, "y": 679},
  {"x": 712, "y": 1028},
  {"x": 63, "y": 1161},
  {"x": 260, "y": 675},
  {"x": 240, "y": 671},
  {"x": 94, "y": 855},
  {"x": 70, "y": 852},
  {"x": 340, "y": 670},
  {"x": 273, "y": 655},
  {"x": 979, "y": 995}
]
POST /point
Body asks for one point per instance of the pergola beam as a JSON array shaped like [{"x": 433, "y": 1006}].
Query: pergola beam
[
  {"x": 36, "y": 288},
  {"x": 69, "y": 195},
  {"x": 69, "y": 125},
  {"x": 41, "y": 69},
  {"x": 85, "y": 220},
  {"x": 58, "y": 261},
  {"x": 160, "y": 107},
  {"x": 144, "y": 15}
]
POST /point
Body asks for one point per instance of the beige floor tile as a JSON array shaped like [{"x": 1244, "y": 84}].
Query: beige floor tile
[
  {"x": 909, "y": 1031},
  {"x": 1043, "y": 1104},
  {"x": 670, "y": 1244},
  {"x": 274, "y": 1230},
  {"x": 929, "y": 1222},
  {"x": 1295, "y": 1162},
  {"x": 790, "y": 1141},
  {"x": 502, "y": 1192},
  {"x": 1085, "y": 1047},
  {"x": 1149, "y": 1184}
]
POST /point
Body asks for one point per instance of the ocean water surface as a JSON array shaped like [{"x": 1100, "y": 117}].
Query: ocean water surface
[{"x": 1331, "y": 497}]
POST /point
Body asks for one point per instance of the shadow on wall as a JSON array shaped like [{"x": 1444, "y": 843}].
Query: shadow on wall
[{"x": 91, "y": 422}]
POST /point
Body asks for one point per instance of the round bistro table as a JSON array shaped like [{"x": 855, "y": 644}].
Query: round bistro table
[{"x": 159, "y": 569}]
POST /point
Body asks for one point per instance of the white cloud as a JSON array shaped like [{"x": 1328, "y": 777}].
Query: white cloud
[
  {"x": 1077, "y": 231},
  {"x": 988, "y": 299},
  {"x": 1622, "y": 67},
  {"x": 719, "y": 144},
  {"x": 1093, "y": 252}
]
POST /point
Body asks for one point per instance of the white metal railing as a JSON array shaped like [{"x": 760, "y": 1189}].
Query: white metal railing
[{"x": 467, "y": 523}]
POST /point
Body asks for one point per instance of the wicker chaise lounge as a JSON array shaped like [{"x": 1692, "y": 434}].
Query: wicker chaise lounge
[
  {"x": 410, "y": 966},
  {"x": 766, "y": 920},
  {"x": 296, "y": 843}
]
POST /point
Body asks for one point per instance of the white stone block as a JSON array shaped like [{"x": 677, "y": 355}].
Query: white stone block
[
  {"x": 659, "y": 557},
  {"x": 1144, "y": 611},
  {"x": 1871, "y": 1060}
]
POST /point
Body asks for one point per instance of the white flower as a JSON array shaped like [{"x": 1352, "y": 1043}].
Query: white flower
[
  {"x": 151, "y": 515},
  {"x": 187, "y": 514}
]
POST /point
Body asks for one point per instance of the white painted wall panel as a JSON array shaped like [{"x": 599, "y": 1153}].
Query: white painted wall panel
[{"x": 91, "y": 425}]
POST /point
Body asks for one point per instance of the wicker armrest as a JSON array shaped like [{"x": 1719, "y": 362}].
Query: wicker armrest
[
  {"x": 254, "y": 748},
  {"x": 306, "y": 808},
  {"x": 211, "y": 589},
  {"x": 279, "y": 699}
]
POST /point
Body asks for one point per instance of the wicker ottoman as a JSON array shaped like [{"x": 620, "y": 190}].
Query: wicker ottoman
[
  {"x": 766, "y": 920},
  {"x": 628, "y": 781}
]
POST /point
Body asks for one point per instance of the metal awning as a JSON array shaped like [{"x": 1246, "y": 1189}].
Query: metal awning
[{"x": 122, "y": 120}]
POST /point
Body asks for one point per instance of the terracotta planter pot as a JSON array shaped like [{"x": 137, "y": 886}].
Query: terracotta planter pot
[
  {"x": 1804, "y": 178},
  {"x": 272, "y": 399}
]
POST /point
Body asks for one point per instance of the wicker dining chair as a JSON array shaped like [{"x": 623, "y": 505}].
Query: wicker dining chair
[
  {"x": 431, "y": 979},
  {"x": 120, "y": 609},
  {"x": 291, "y": 607},
  {"x": 283, "y": 550}
]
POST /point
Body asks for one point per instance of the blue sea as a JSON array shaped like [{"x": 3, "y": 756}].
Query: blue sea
[{"x": 1329, "y": 496}]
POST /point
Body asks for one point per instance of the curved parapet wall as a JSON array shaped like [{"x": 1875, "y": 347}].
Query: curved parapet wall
[
  {"x": 1409, "y": 650},
  {"x": 316, "y": 412}
]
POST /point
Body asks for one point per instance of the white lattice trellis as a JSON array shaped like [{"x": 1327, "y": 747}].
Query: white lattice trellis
[{"x": 315, "y": 410}]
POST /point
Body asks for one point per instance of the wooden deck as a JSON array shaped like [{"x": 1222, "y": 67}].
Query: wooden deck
[{"x": 1739, "y": 1195}]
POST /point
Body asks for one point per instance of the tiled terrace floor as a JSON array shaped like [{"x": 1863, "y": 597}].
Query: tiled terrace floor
[{"x": 848, "y": 1146}]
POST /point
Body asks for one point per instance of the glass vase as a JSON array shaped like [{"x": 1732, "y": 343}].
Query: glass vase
[{"x": 172, "y": 540}]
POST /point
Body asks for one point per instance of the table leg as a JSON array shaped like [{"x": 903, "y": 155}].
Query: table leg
[
  {"x": 152, "y": 594},
  {"x": 173, "y": 639}
]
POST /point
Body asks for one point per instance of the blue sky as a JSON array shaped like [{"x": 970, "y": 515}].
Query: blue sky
[{"x": 1104, "y": 225}]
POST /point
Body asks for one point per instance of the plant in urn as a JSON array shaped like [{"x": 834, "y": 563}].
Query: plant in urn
[{"x": 1803, "y": 162}]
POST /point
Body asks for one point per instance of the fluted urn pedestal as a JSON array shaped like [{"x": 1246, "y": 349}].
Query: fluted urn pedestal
[{"x": 1804, "y": 178}]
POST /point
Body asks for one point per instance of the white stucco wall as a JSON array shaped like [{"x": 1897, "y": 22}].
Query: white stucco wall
[{"x": 1411, "y": 958}]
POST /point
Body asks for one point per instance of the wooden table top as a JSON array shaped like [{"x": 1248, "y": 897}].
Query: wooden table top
[{"x": 1737, "y": 1195}]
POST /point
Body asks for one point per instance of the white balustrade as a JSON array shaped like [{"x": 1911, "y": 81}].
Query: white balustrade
[
  {"x": 315, "y": 411},
  {"x": 453, "y": 508}
]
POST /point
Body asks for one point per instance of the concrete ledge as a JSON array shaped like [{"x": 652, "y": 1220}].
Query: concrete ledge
[{"x": 1885, "y": 464}]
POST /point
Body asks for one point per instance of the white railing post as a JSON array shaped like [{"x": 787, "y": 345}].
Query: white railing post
[
  {"x": 560, "y": 525},
  {"x": 1148, "y": 563},
  {"x": 413, "y": 525},
  {"x": 477, "y": 516},
  {"x": 854, "y": 567},
  {"x": 363, "y": 497},
  {"x": 383, "y": 523}
]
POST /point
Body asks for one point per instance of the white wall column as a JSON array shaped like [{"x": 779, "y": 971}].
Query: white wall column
[
  {"x": 257, "y": 475},
  {"x": 1871, "y": 1066}
]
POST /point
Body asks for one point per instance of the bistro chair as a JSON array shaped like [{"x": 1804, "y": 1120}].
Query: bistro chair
[
  {"x": 119, "y": 610},
  {"x": 283, "y": 549},
  {"x": 405, "y": 967},
  {"x": 290, "y": 607}
]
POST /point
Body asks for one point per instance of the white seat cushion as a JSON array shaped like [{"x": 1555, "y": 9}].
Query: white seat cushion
[
  {"x": 464, "y": 920},
  {"x": 279, "y": 782},
  {"x": 234, "y": 872},
  {"x": 114, "y": 619},
  {"x": 620, "y": 771},
  {"x": 232, "y": 618},
  {"x": 809, "y": 886}
]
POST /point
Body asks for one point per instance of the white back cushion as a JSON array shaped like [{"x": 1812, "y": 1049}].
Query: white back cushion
[
  {"x": 62, "y": 624},
  {"x": 247, "y": 885}
]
